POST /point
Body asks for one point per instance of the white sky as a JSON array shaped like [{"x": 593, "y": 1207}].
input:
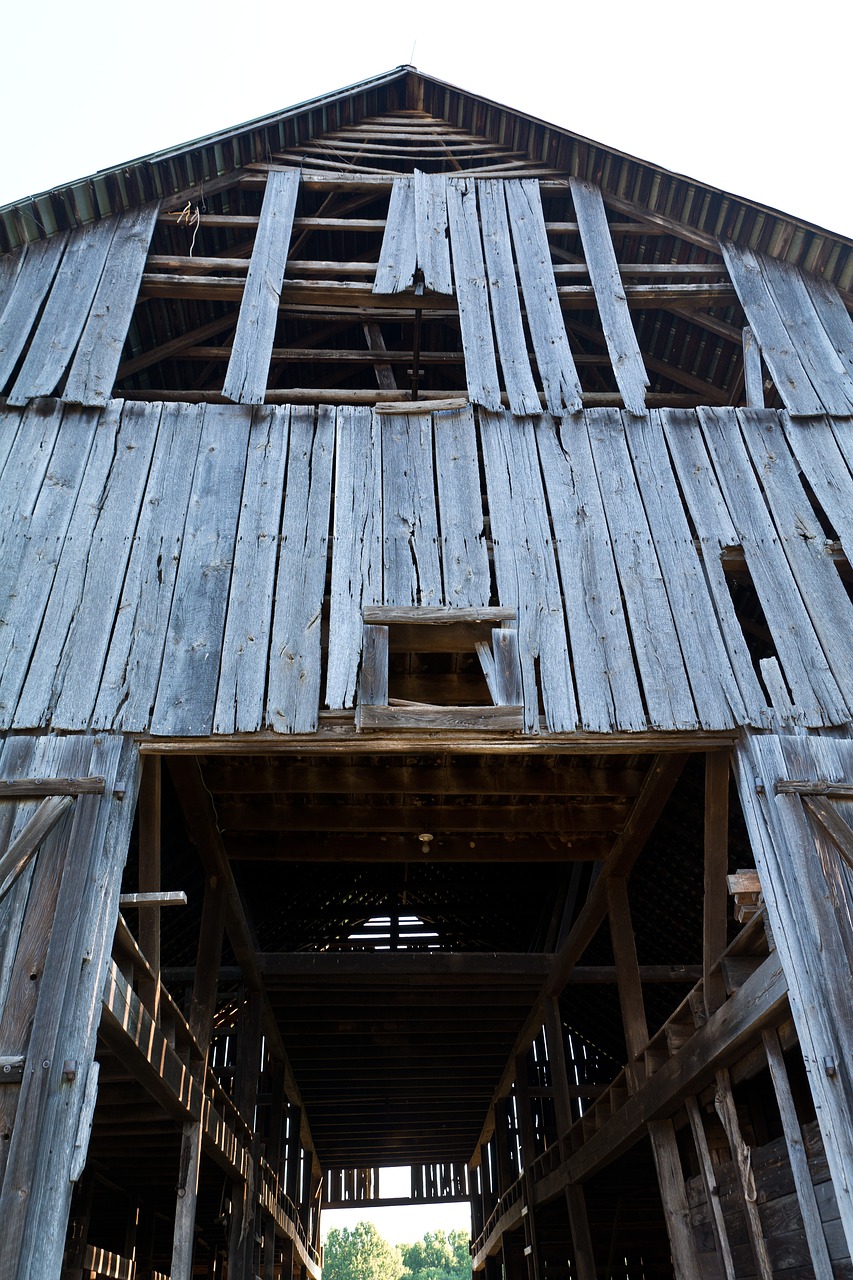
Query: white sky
[{"x": 742, "y": 94}]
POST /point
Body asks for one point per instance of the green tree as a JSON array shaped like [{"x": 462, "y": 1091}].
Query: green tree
[
  {"x": 360, "y": 1254},
  {"x": 439, "y": 1256}
]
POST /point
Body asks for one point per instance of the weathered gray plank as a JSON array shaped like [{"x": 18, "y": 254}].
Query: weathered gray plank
[
  {"x": 469, "y": 271},
  {"x": 464, "y": 557},
  {"x": 526, "y": 569},
  {"x": 357, "y": 546},
  {"x": 64, "y": 677},
  {"x": 132, "y": 669},
  {"x": 248, "y": 367},
  {"x": 802, "y": 539},
  {"x": 398, "y": 256},
  {"x": 619, "y": 334},
  {"x": 65, "y": 312},
  {"x": 715, "y": 692},
  {"x": 27, "y": 461},
  {"x": 608, "y": 693},
  {"x": 245, "y": 648},
  {"x": 778, "y": 351},
  {"x": 715, "y": 531},
  {"x": 817, "y": 451},
  {"x": 433, "y": 247},
  {"x": 10, "y": 421},
  {"x": 96, "y": 361},
  {"x": 807, "y": 892},
  {"x": 557, "y": 370},
  {"x": 813, "y": 687},
  {"x": 10, "y": 265},
  {"x": 28, "y": 564},
  {"x": 506, "y": 303},
  {"x": 825, "y": 368},
  {"x": 30, "y": 289},
  {"x": 293, "y": 699},
  {"x": 833, "y": 315},
  {"x": 659, "y": 657},
  {"x": 187, "y": 690},
  {"x": 373, "y": 673},
  {"x": 753, "y": 377},
  {"x": 412, "y": 574}
]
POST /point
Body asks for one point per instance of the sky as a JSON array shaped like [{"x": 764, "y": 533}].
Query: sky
[
  {"x": 397, "y": 1224},
  {"x": 740, "y": 94}
]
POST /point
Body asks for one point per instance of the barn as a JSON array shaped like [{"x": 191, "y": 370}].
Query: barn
[{"x": 426, "y": 687}]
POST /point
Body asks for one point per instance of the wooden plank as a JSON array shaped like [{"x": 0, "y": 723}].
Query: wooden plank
[
  {"x": 32, "y": 282},
  {"x": 786, "y": 368},
  {"x": 712, "y": 1191},
  {"x": 245, "y": 647},
  {"x": 62, "y": 685},
  {"x": 802, "y": 539},
  {"x": 662, "y": 670},
  {"x": 628, "y": 368},
  {"x": 711, "y": 678},
  {"x": 294, "y": 678},
  {"x": 65, "y": 313},
  {"x": 833, "y": 315},
  {"x": 132, "y": 668},
  {"x": 475, "y": 719},
  {"x": 813, "y": 687},
  {"x": 412, "y": 574},
  {"x": 24, "y": 847},
  {"x": 715, "y": 901},
  {"x": 433, "y": 247},
  {"x": 398, "y": 255},
  {"x": 10, "y": 266},
  {"x": 373, "y": 674},
  {"x": 10, "y": 420},
  {"x": 715, "y": 530},
  {"x": 356, "y": 546},
  {"x": 29, "y": 446},
  {"x": 826, "y": 370},
  {"x": 608, "y": 693},
  {"x": 36, "y": 788},
  {"x": 526, "y": 569},
  {"x": 27, "y": 567},
  {"x": 797, "y": 1157},
  {"x": 505, "y": 300},
  {"x": 469, "y": 272},
  {"x": 816, "y": 449},
  {"x": 806, "y": 892},
  {"x": 246, "y": 378},
  {"x": 557, "y": 370},
  {"x": 544, "y": 818},
  {"x": 726, "y": 1109},
  {"x": 464, "y": 556},
  {"x": 186, "y": 692},
  {"x": 676, "y": 1211},
  {"x": 95, "y": 364},
  {"x": 752, "y": 371}
]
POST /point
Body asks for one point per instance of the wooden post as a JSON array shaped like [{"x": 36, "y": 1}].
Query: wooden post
[
  {"x": 685, "y": 1257},
  {"x": 727, "y": 1111},
  {"x": 150, "y": 795},
  {"x": 797, "y": 1156},
  {"x": 712, "y": 1191},
  {"x": 242, "y": 1236},
  {"x": 716, "y": 866},
  {"x": 202, "y": 1009}
]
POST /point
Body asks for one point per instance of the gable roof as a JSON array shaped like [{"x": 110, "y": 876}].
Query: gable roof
[{"x": 692, "y": 209}]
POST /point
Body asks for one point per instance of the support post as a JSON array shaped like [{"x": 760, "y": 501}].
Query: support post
[
  {"x": 714, "y": 937},
  {"x": 727, "y": 1111},
  {"x": 150, "y": 842},
  {"x": 242, "y": 1235}
]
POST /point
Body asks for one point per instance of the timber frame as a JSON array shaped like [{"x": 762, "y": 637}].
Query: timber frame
[{"x": 425, "y": 698}]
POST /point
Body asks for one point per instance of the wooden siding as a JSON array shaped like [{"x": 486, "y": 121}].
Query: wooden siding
[{"x": 164, "y": 566}]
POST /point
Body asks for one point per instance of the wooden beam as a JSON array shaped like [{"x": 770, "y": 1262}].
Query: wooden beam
[
  {"x": 715, "y": 905},
  {"x": 26, "y": 844},
  {"x": 35, "y": 788},
  {"x": 317, "y": 846},
  {"x": 150, "y": 792},
  {"x": 712, "y": 1190},
  {"x": 742, "y": 1159},
  {"x": 569, "y": 819}
]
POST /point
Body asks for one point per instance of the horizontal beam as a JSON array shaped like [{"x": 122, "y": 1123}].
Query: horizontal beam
[
  {"x": 332, "y": 395},
  {"x": 532, "y": 818},
  {"x": 406, "y": 965},
  {"x": 36, "y": 788}
]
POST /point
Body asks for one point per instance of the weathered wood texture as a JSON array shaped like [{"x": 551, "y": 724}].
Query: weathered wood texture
[
  {"x": 246, "y": 378},
  {"x": 809, "y": 895},
  {"x": 163, "y": 567},
  {"x": 62, "y": 928}
]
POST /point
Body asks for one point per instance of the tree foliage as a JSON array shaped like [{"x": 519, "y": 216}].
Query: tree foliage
[
  {"x": 360, "y": 1254},
  {"x": 439, "y": 1256}
]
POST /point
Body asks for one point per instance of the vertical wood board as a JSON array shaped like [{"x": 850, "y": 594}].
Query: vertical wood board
[
  {"x": 356, "y": 547},
  {"x": 628, "y": 368},
  {"x": 816, "y": 448},
  {"x": 833, "y": 315},
  {"x": 464, "y": 557},
  {"x": 132, "y": 669},
  {"x": 411, "y": 569},
  {"x": 398, "y": 254},
  {"x": 433, "y": 247},
  {"x": 245, "y": 646},
  {"x": 608, "y": 693},
  {"x": 248, "y": 367},
  {"x": 28, "y": 293},
  {"x": 65, "y": 313},
  {"x": 10, "y": 266},
  {"x": 95, "y": 364},
  {"x": 505, "y": 301},
  {"x": 186, "y": 692},
  {"x": 469, "y": 271},
  {"x": 293, "y": 699},
  {"x": 557, "y": 370}
]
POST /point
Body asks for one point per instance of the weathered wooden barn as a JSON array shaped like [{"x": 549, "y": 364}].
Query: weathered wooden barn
[{"x": 426, "y": 687}]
